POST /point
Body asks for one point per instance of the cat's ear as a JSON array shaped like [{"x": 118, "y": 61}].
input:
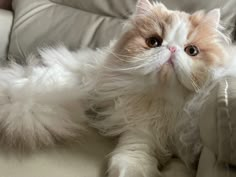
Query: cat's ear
[
  {"x": 213, "y": 18},
  {"x": 142, "y": 7},
  {"x": 160, "y": 5}
]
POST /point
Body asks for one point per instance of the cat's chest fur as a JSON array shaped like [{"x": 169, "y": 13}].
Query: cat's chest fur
[
  {"x": 157, "y": 109},
  {"x": 160, "y": 111}
]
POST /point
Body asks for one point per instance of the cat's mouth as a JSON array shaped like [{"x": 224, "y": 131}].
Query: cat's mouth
[
  {"x": 172, "y": 67},
  {"x": 170, "y": 61}
]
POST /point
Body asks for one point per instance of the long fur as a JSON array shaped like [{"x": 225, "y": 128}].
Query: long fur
[{"x": 39, "y": 102}]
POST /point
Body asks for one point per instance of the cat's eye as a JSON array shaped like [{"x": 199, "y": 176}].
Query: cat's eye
[
  {"x": 192, "y": 50},
  {"x": 154, "y": 41}
]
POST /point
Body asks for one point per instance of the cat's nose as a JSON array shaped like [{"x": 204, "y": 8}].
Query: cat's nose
[{"x": 172, "y": 49}]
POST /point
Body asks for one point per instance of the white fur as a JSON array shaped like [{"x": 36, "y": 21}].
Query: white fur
[{"x": 36, "y": 100}]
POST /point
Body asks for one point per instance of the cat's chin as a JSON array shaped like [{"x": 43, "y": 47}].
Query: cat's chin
[
  {"x": 166, "y": 73},
  {"x": 169, "y": 75},
  {"x": 170, "y": 61}
]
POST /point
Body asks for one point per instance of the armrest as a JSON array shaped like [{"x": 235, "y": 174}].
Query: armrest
[
  {"x": 218, "y": 121},
  {"x": 209, "y": 166},
  {"x": 6, "y": 18}
]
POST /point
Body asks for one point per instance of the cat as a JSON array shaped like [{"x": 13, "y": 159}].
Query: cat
[
  {"x": 135, "y": 89},
  {"x": 163, "y": 58}
]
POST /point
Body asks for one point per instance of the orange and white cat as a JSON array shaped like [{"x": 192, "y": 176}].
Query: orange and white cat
[
  {"x": 162, "y": 59},
  {"x": 137, "y": 89}
]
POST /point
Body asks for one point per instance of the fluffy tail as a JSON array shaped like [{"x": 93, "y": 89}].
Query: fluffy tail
[{"x": 40, "y": 104}]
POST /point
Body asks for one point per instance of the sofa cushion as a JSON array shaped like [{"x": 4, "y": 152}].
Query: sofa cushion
[
  {"x": 112, "y": 8},
  {"x": 79, "y": 23},
  {"x": 210, "y": 166},
  {"x": 39, "y": 23},
  {"x": 87, "y": 159}
]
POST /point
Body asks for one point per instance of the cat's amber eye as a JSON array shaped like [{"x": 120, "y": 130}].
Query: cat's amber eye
[
  {"x": 191, "y": 50},
  {"x": 154, "y": 41}
]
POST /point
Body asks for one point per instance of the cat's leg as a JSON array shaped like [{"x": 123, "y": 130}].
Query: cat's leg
[{"x": 134, "y": 156}]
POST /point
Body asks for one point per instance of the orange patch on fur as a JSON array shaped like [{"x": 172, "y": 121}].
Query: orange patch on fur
[
  {"x": 205, "y": 37},
  {"x": 144, "y": 26}
]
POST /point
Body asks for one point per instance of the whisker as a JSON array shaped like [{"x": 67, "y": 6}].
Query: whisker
[
  {"x": 127, "y": 56},
  {"x": 138, "y": 65}
]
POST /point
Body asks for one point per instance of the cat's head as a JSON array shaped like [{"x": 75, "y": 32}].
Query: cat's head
[{"x": 162, "y": 43}]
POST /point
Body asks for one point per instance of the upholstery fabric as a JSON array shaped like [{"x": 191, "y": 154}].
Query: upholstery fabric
[
  {"x": 39, "y": 23},
  {"x": 210, "y": 166},
  {"x": 87, "y": 159}
]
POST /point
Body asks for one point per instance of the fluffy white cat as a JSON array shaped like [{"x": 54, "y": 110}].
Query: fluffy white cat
[{"x": 135, "y": 89}]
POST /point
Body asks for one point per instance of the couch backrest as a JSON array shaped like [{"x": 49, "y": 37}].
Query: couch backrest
[{"x": 85, "y": 23}]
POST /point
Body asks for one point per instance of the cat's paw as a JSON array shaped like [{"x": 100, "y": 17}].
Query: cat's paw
[
  {"x": 124, "y": 170},
  {"x": 125, "y": 166}
]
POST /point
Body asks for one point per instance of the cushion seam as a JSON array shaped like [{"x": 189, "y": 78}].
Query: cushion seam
[
  {"x": 107, "y": 16},
  {"x": 224, "y": 118}
]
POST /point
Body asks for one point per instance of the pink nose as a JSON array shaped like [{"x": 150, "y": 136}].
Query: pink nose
[{"x": 172, "y": 49}]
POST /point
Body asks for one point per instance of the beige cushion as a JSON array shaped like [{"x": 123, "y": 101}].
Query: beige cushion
[
  {"x": 209, "y": 166},
  {"x": 119, "y": 9},
  {"x": 40, "y": 23},
  {"x": 88, "y": 159}
]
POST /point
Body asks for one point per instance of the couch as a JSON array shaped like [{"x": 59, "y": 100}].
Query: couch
[{"x": 93, "y": 23}]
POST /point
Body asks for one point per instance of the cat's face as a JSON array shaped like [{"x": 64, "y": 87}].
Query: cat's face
[{"x": 164, "y": 43}]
